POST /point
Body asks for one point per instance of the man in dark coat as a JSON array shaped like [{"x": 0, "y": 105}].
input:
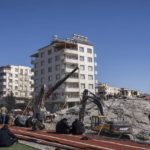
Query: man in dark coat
[
  {"x": 7, "y": 138},
  {"x": 62, "y": 127},
  {"x": 77, "y": 127}
]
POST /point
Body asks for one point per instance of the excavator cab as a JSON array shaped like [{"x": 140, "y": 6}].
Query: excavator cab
[{"x": 98, "y": 124}]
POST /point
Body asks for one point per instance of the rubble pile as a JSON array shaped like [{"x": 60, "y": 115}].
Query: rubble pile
[{"x": 135, "y": 111}]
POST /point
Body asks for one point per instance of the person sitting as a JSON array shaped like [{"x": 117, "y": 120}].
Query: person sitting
[
  {"x": 7, "y": 138},
  {"x": 77, "y": 127},
  {"x": 62, "y": 127}
]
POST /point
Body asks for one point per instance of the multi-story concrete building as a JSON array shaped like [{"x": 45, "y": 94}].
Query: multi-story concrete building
[
  {"x": 18, "y": 80},
  {"x": 104, "y": 89},
  {"x": 60, "y": 57}
]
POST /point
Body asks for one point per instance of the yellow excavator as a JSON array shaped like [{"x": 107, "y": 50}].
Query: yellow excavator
[{"x": 99, "y": 122}]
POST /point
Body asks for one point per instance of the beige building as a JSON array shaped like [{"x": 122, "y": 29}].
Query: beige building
[
  {"x": 16, "y": 79},
  {"x": 104, "y": 89},
  {"x": 52, "y": 62},
  {"x": 108, "y": 90}
]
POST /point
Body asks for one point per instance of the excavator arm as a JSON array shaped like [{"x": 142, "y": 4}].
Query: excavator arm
[
  {"x": 39, "y": 101},
  {"x": 96, "y": 100}
]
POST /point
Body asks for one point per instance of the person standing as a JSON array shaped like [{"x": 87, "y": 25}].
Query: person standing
[{"x": 4, "y": 112}]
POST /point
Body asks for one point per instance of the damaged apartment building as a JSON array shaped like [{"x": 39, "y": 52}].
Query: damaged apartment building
[{"x": 52, "y": 62}]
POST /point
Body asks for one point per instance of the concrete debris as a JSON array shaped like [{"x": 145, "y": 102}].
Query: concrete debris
[{"x": 135, "y": 111}]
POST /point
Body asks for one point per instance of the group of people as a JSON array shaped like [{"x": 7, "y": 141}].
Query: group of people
[{"x": 77, "y": 127}]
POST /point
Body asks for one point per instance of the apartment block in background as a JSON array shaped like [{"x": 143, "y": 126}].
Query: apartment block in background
[
  {"x": 18, "y": 80},
  {"x": 52, "y": 62}
]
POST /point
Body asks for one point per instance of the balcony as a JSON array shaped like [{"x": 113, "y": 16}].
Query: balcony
[
  {"x": 67, "y": 60},
  {"x": 67, "y": 89},
  {"x": 70, "y": 51},
  {"x": 73, "y": 99},
  {"x": 72, "y": 80},
  {"x": 67, "y": 69}
]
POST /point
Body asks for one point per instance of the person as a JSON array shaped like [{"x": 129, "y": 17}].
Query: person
[
  {"x": 7, "y": 138},
  {"x": 77, "y": 127},
  {"x": 62, "y": 127},
  {"x": 4, "y": 115}
]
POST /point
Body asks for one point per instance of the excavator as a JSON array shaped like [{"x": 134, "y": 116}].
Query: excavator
[
  {"x": 35, "y": 121},
  {"x": 99, "y": 122}
]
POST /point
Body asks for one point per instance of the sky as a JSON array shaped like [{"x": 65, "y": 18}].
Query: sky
[{"x": 118, "y": 29}]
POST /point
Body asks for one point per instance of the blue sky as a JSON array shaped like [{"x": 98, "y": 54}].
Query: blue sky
[{"x": 119, "y": 29}]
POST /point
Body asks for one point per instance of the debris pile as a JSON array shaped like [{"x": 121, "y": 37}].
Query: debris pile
[{"x": 135, "y": 111}]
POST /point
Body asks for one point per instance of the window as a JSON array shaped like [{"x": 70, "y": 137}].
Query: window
[
  {"x": 81, "y": 58},
  {"x": 82, "y": 76},
  {"x": 82, "y": 67},
  {"x": 26, "y": 71},
  {"x": 57, "y": 76},
  {"x": 81, "y": 49},
  {"x": 90, "y": 77},
  {"x": 90, "y": 86},
  {"x": 36, "y": 81},
  {"x": 35, "y": 65},
  {"x": 10, "y": 80},
  {"x": 49, "y": 69},
  {"x": 16, "y": 69},
  {"x": 57, "y": 67},
  {"x": 56, "y": 50},
  {"x": 49, "y": 51},
  {"x": 16, "y": 75},
  {"x": 42, "y": 80},
  {"x": 82, "y": 86},
  {"x": 21, "y": 71},
  {"x": 89, "y": 59},
  {"x": 90, "y": 68},
  {"x": 42, "y": 71},
  {"x": 42, "y": 62},
  {"x": 49, "y": 60},
  {"x": 89, "y": 50},
  {"x": 36, "y": 73},
  {"x": 42, "y": 54},
  {"x": 57, "y": 58},
  {"x": 50, "y": 78}
]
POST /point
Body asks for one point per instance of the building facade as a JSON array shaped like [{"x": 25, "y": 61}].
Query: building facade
[
  {"x": 52, "y": 62},
  {"x": 16, "y": 79},
  {"x": 106, "y": 90}
]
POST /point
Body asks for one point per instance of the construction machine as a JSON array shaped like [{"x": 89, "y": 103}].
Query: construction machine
[
  {"x": 100, "y": 123},
  {"x": 36, "y": 120}
]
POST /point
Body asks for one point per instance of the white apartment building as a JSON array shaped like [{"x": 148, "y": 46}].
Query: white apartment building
[
  {"x": 52, "y": 62},
  {"x": 16, "y": 79}
]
